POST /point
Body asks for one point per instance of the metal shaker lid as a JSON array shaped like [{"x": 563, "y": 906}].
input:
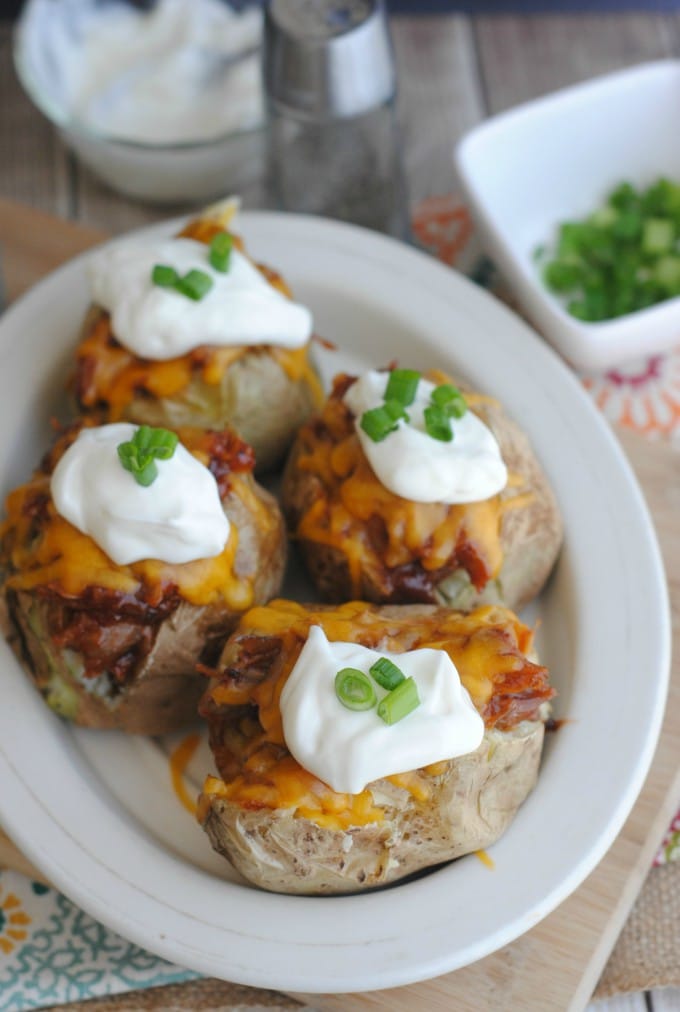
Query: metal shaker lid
[{"x": 326, "y": 59}]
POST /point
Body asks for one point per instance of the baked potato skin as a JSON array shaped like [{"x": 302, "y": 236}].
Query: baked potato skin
[
  {"x": 164, "y": 693},
  {"x": 472, "y": 802},
  {"x": 258, "y": 815},
  {"x": 160, "y": 645},
  {"x": 530, "y": 533}
]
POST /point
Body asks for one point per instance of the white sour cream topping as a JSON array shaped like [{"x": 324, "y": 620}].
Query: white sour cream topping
[
  {"x": 179, "y": 73},
  {"x": 178, "y": 518},
  {"x": 415, "y": 466},
  {"x": 348, "y": 749},
  {"x": 160, "y": 323}
]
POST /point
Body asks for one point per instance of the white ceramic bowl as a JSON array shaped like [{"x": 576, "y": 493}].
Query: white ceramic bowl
[
  {"x": 160, "y": 173},
  {"x": 555, "y": 159}
]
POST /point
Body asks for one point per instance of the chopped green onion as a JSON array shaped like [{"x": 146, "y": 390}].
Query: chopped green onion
[
  {"x": 451, "y": 399},
  {"x": 563, "y": 275},
  {"x": 195, "y": 285},
  {"x": 627, "y": 224},
  {"x": 438, "y": 423},
  {"x": 220, "y": 251},
  {"x": 657, "y": 236},
  {"x": 138, "y": 455},
  {"x": 161, "y": 442},
  {"x": 667, "y": 274},
  {"x": 402, "y": 386},
  {"x": 386, "y": 674},
  {"x": 378, "y": 423},
  {"x": 164, "y": 276},
  {"x": 354, "y": 689},
  {"x": 396, "y": 410},
  {"x": 621, "y": 257},
  {"x": 398, "y": 703}
]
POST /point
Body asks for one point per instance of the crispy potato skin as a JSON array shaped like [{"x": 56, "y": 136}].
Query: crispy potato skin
[
  {"x": 530, "y": 535},
  {"x": 160, "y": 692},
  {"x": 473, "y": 800},
  {"x": 258, "y": 817}
]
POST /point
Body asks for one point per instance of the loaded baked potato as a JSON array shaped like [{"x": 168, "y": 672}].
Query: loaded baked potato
[
  {"x": 263, "y": 390},
  {"x": 286, "y": 829},
  {"x": 116, "y": 645},
  {"x": 360, "y": 540}
]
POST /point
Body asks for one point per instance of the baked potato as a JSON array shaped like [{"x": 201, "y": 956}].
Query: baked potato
[
  {"x": 116, "y": 646},
  {"x": 287, "y": 831},
  {"x": 264, "y": 391},
  {"x": 361, "y": 541}
]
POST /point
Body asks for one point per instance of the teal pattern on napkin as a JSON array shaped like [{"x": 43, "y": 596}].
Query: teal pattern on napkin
[{"x": 51, "y": 952}]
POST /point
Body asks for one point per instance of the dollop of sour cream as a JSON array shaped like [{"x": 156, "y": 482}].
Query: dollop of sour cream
[
  {"x": 348, "y": 749},
  {"x": 178, "y": 518},
  {"x": 174, "y": 74},
  {"x": 414, "y": 465},
  {"x": 160, "y": 323}
]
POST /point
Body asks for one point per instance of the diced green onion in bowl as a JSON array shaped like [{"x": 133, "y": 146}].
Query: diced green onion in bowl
[{"x": 623, "y": 257}]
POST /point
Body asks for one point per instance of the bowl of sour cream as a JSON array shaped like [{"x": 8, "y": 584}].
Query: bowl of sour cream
[{"x": 163, "y": 101}]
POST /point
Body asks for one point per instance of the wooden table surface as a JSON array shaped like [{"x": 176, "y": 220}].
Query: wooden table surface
[{"x": 453, "y": 71}]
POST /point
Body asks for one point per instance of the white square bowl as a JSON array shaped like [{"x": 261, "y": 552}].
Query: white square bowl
[{"x": 556, "y": 159}]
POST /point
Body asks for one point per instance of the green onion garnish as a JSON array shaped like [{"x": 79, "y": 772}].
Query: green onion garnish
[
  {"x": 379, "y": 422},
  {"x": 438, "y": 423},
  {"x": 402, "y": 386},
  {"x": 220, "y": 251},
  {"x": 386, "y": 674},
  {"x": 164, "y": 276},
  {"x": 354, "y": 690},
  {"x": 139, "y": 455},
  {"x": 396, "y": 410},
  {"x": 398, "y": 703},
  {"x": 609, "y": 264},
  {"x": 451, "y": 399},
  {"x": 195, "y": 285}
]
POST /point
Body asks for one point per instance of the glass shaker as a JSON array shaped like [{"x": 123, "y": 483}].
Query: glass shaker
[{"x": 333, "y": 139}]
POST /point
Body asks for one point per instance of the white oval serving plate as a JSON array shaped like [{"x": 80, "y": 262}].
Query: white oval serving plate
[{"x": 97, "y": 813}]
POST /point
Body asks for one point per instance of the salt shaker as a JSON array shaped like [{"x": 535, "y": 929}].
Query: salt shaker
[{"x": 333, "y": 139}]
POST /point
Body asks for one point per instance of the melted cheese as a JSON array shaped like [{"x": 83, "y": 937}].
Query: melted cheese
[{"x": 179, "y": 759}]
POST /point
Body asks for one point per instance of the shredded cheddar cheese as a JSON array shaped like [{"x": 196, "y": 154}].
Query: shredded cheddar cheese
[{"x": 180, "y": 758}]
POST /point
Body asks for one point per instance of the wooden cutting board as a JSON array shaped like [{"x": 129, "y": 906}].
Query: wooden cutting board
[{"x": 556, "y": 965}]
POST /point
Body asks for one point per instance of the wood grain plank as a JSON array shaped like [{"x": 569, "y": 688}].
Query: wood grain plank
[
  {"x": 522, "y": 58},
  {"x": 25, "y": 258},
  {"x": 34, "y": 166},
  {"x": 439, "y": 96}
]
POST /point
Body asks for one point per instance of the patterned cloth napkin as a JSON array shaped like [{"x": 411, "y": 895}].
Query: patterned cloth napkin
[{"x": 50, "y": 951}]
